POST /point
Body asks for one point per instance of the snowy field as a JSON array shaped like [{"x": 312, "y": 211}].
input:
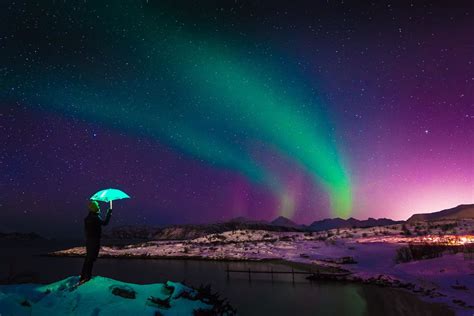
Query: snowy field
[{"x": 368, "y": 253}]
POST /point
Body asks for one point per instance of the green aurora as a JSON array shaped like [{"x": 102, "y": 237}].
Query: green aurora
[{"x": 210, "y": 101}]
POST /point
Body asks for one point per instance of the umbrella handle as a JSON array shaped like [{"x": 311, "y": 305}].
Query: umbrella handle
[{"x": 110, "y": 204}]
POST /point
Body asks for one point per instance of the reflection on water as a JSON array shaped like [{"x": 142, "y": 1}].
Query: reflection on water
[{"x": 260, "y": 296}]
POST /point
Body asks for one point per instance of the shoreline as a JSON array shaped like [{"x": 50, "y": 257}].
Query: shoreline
[
  {"x": 368, "y": 256},
  {"x": 307, "y": 267},
  {"x": 382, "y": 280}
]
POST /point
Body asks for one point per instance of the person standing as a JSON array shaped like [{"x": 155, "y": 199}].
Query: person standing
[{"x": 93, "y": 230}]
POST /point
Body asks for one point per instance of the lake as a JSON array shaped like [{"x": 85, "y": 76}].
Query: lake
[{"x": 260, "y": 296}]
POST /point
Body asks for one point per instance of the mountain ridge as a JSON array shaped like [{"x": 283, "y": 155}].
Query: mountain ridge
[
  {"x": 191, "y": 231},
  {"x": 458, "y": 212},
  {"x": 332, "y": 223}
]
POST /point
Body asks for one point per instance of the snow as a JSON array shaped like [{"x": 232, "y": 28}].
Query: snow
[{"x": 94, "y": 298}]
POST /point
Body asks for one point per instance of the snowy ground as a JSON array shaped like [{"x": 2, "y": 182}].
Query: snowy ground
[
  {"x": 99, "y": 296},
  {"x": 448, "y": 279}
]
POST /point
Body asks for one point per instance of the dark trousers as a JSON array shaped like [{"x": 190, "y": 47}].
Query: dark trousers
[{"x": 92, "y": 248}]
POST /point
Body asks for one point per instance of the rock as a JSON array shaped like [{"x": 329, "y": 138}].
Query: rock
[
  {"x": 169, "y": 289},
  {"x": 459, "y": 287},
  {"x": 203, "y": 312},
  {"x": 155, "y": 301},
  {"x": 347, "y": 260},
  {"x": 25, "y": 303},
  {"x": 459, "y": 302},
  {"x": 123, "y": 291}
]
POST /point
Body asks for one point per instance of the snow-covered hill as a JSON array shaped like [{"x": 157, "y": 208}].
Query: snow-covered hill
[{"x": 101, "y": 296}]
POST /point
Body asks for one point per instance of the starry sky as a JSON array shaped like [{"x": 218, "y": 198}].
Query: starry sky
[{"x": 203, "y": 111}]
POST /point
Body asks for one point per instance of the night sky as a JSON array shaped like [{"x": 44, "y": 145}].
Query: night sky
[{"x": 204, "y": 111}]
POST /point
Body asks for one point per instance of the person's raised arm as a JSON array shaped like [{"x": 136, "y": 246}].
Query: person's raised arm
[{"x": 107, "y": 217}]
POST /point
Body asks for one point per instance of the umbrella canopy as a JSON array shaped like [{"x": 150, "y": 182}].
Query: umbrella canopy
[{"x": 108, "y": 195}]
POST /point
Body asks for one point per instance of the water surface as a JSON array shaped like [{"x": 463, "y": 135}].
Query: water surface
[{"x": 260, "y": 296}]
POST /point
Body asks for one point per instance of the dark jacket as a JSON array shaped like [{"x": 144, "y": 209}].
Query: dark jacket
[{"x": 93, "y": 225}]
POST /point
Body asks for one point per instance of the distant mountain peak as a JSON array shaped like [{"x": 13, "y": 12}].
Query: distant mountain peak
[{"x": 283, "y": 221}]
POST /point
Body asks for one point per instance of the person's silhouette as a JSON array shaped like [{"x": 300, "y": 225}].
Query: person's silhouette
[{"x": 93, "y": 230}]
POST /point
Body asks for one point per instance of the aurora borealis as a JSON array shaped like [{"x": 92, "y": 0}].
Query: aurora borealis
[{"x": 203, "y": 113}]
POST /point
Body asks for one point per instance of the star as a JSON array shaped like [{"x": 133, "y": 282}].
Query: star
[{"x": 201, "y": 121}]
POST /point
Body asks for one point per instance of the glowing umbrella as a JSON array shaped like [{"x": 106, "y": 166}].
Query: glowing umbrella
[{"x": 109, "y": 195}]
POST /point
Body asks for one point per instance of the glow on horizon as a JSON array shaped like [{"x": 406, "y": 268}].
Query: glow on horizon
[{"x": 402, "y": 201}]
